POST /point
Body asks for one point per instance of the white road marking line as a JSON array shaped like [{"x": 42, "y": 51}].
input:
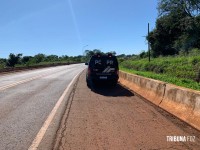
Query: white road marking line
[
  {"x": 23, "y": 71},
  {"x": 46, "y": 124},
  {"x": 20, "y": 82},
  {"x": 26, "y": 80}
]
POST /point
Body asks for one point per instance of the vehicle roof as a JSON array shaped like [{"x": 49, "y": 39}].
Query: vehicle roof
[{"x": 104, "y": 55}]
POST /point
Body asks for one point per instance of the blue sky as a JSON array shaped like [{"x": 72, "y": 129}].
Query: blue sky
[{"x": 64, "y": 27}]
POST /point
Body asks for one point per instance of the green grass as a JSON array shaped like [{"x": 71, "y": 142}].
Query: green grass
[{"x": 181, "y": 71}]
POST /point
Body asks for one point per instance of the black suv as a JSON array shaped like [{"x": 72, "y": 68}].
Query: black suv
[{"x": 102, "y": 68}]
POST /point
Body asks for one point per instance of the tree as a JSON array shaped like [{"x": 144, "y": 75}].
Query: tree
[
  {"x": 64, "y": 57},
  {"x": 143, "y": 54},
  {"x": 187, "y": 7},
  {"x": 89, "y": 53},
  {"x": 2, "y": 62},
  {"x": 162, "y": 38},
  {"x": 112, "y": 52},
  {"x": 39, "y": 58},
  {"x": 25, "y": 59},
  {"x": 13, "y": 59},
  {"x": 177, "y": 27},
  {"x": 51, "y": 58}
]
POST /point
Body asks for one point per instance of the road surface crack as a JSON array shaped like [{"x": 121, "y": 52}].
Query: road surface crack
[{"x": 61, "y": 132}]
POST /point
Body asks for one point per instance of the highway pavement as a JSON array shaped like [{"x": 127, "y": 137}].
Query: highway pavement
[
  {"x": 53, "y": 108},
  {"x": 115, "y": 118},
  {"x": 27, "y": 99}
]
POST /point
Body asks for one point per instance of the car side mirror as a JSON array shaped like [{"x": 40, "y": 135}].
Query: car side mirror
[{"x": 86, "y": 63}]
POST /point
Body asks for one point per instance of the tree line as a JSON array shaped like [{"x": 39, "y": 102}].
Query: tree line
[
  {"x": 177, "y": 28},
  {"x": 20, "y": 60}
]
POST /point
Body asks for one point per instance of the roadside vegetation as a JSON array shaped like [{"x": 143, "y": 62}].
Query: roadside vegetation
[
  {"x": 177, "y": 28},
  {"x": 179, "y": 70},
  {"x": 175, "y": 46},
  {"x": 18, "y": 60}
]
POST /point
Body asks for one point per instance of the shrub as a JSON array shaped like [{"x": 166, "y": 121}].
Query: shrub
[{"x": 179, "y": 66}]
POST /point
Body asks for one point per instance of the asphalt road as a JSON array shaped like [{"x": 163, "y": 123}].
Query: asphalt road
[
  {"x": 26, "y": 100},
  {"x": 114, "y": 118}
]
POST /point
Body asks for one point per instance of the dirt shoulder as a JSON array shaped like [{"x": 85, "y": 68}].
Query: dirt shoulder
[{"x": 115, "y": 118}]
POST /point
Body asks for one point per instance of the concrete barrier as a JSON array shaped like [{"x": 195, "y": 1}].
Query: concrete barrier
[
  {"x": 148, "y": 88},
  {"x": 181, "y": 102}
]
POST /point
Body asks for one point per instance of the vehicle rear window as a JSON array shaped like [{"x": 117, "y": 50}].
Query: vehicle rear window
[{"x": 103, "y": 61}]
